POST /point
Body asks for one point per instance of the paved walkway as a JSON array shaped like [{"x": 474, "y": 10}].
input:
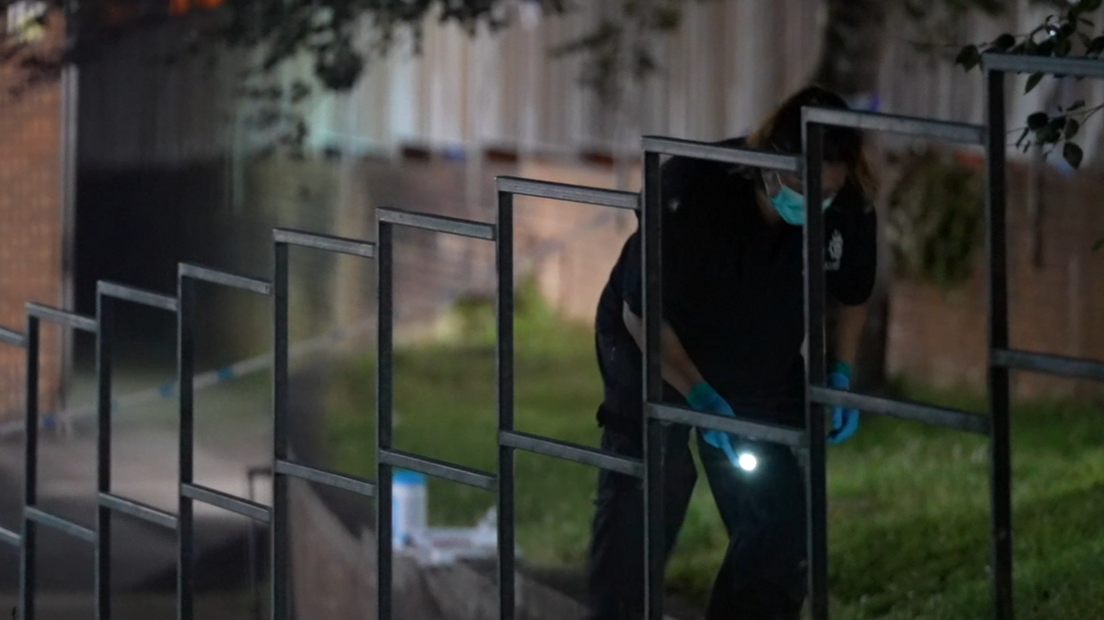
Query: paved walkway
[{"x": 233, "y": 433}]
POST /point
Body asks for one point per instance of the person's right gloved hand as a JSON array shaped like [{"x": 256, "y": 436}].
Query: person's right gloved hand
[
  {"x": 845, "y": 420},
  {"x": 703, "y": 397}
]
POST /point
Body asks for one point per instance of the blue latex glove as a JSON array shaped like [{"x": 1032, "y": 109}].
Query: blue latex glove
[
  {"x": 704, "y": 398},
  {"x": 845, "y": 421},
  {"x": 729, "y": 451}
]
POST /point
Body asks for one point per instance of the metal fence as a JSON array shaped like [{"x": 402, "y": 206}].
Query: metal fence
[{"x": 809, "y": 442}]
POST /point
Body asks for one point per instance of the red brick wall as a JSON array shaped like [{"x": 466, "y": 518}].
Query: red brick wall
[
  {"x": 30, "y": 222},
  {"x": 1057, "y": 307},
  {"x": 935, "y": 336}
]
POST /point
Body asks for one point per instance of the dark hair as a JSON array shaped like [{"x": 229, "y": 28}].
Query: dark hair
[{"x": 781, "y": 131}]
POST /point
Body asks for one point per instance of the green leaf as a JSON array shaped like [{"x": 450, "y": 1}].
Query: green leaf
[
  {"x": 1096, "y": 46},
  {"x": 1033, "y": 81},
  {"x": 1037, "y": 121},
  {"x": 1071, "y": 128},
  {"x": 1058, "y": 123},
  {"x": 968, "y": 57},
  {"x": 1088, "y": 6},
  {"x": 1004, "y": 42},
  {"x": 1048, "y": 135},
  {"x": 1076, "y": 105},
  {"x": 1073, "y": 155}
]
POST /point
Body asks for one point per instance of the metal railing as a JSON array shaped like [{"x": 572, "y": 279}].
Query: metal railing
[
  {"x": 34, "y": 517},
  {"x": 809, "y": 441},
  {"x": 817, "y": 394}
]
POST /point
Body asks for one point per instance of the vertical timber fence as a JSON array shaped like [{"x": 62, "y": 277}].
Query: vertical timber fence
[{"x": 808, "y": 442}]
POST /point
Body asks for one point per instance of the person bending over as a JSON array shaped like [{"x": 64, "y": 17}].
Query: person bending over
[{"x": 733, "y": 330}]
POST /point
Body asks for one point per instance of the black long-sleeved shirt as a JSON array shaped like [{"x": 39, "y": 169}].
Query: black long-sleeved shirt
[{"x": 733, "y": 290}]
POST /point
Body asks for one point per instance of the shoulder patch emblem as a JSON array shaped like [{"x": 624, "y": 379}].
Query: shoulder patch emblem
[{"x": 835, "y": 252}]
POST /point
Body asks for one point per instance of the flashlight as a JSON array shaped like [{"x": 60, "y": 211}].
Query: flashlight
[{"x": 743, "y": 458}]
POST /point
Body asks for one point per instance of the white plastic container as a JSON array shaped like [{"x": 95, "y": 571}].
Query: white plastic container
[
  {"x": 441, "y": 546},
  {"x": 408, "y": 505}
]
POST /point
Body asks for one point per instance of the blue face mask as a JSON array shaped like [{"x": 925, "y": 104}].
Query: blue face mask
[{"x": 791, "y": 205}]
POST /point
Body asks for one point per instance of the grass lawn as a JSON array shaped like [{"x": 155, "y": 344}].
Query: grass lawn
[{"x": 908, "y": 504}]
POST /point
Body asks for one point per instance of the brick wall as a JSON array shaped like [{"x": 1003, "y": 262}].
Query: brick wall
[
  {"x": 30, "y": 222},
  {"x": 936, "y": 336},
  {"x": 573, "y": 280},
  {"x": 1056, "y": 307}
]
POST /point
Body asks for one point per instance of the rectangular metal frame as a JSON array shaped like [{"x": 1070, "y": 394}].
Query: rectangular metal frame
[
  {"x": 658, "y": 413},
  {"x": 32, "y": 515},
  {"x": 762, "y": 431},
  {"x": 1002, "y": 358},
  {"x": 337, "y": 480},
  {"x": 386, "y": 456},
  {"x": 107, "y": 295},
  {"x": 11, "y": 337},
  {"x": 1054, "y": 365},
  {"x": 817, "y": 394},
  {"x": 903, "y": 410},
  {"x": 1068, "y": 67},
  {"x": 229, "y": 503},
  {"x": 189, "y": 492},
  {"x": 575, "y": 453},
  {"x": 9, "y": 537},
  {"x": 742, "y": 156},
  {"x": 509, "y": 439},
  {"x": 563, "y": 192},
  {"x": 282, "y": 464},
  {"x": 65, "y": 526},
  {"x": 435, "y": 223},
  {"x": 138, "y": 510}
]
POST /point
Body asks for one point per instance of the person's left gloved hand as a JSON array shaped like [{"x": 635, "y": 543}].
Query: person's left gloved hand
[{"x": 845, "y": 421}]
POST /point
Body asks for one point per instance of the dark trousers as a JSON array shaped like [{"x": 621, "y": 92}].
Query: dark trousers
[{"x": 763, "y": 573}]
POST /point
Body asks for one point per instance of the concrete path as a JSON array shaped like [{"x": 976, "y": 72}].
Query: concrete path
[{"x": 233, "y": 434}]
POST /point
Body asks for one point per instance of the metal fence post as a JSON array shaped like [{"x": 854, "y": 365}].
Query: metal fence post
[
  {"x": 504, "y": 263},
  {"x": 509, "y": 439},
  {"x": 27, "y": 573},
  {"x": 281, "y": 592},
  {"x": 32, "y": 515},
  {"x": 816, "y": 478},
  {"x": 185, "y": 351},
  {"x": 105, "y": 307},
  {"x": 655, "y": 546},
  {"x": 384, "y": 403},
  {"x": 1000, "y": 482},
  {"x": 280, "y": 551}
]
